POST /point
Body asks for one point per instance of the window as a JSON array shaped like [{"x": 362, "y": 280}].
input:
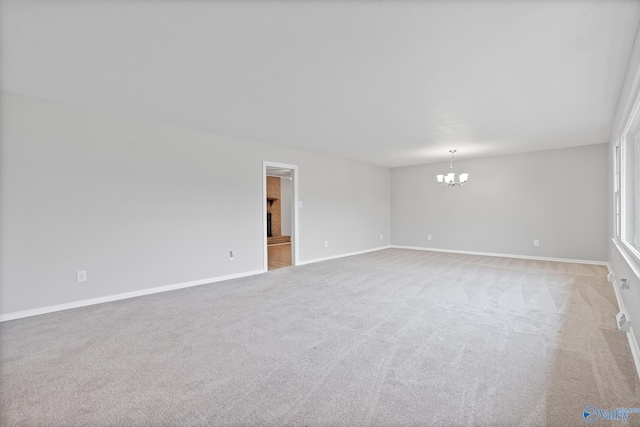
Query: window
[
  {"x": 627, "y": 185},
  {"x": 632, "y": 191},
  {"x": 616, "y": 191}
]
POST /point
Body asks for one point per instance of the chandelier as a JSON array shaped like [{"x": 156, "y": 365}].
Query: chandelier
[{"x": 449, "y": 180}]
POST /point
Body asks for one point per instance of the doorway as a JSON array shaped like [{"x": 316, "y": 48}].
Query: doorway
[{"x": 280, "y": 215}]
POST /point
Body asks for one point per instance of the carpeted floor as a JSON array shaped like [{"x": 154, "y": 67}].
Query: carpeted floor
[{"x": 393, "y": 337}]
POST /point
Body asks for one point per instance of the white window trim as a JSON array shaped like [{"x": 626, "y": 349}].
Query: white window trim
[
  {"x": 617, "y": 196},
  {"x": 623, "y": 243}
]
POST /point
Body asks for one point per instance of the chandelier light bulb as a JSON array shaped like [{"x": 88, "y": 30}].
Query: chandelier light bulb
[{"x": 449, "y": 180}]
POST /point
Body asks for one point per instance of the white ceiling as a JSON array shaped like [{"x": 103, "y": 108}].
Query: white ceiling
[{"x": 389, "y": 83}]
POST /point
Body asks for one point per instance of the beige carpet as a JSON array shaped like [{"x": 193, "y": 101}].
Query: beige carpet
[{"x": 394, "y": 337}]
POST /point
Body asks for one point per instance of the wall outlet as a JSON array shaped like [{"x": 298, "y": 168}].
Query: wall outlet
[
  {"x": 624, "y": 284},
  {"x": 326, "y": 243},
  {"x": 428, "y": 236},
  {"x": 381, "y": 237},
  {"x": 536, "y": 243},
  {"x": 81, "y": 276},
  {"x": 231, "y": 256}
]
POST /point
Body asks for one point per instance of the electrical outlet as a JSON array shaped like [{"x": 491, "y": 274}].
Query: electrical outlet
[
  {"x": 231, "y": 256},
  {"x": 81, "y": 276},
  {"x": 428, "y": 236},
  {"x": 381, "y": 237},
  {"x": 624, "y": 284},
  {"x": 536, "y": 243},
  {"x": 326, "y": 243}
]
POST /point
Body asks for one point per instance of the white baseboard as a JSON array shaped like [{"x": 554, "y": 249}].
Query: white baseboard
[
  {"x": 311, "y": 261},
  {"x": 633, "y": 343},
  {"x": 635, "y": 350},
  {"x": 616, "y": 289},
  {"x": 109, "y": 298},
  {"x": 538, "y": 258}
]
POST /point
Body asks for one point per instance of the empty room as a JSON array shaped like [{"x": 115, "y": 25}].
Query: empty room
[{"x": 319, "y": 213}]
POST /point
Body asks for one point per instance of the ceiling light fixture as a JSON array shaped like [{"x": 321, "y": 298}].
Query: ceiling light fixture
[{"x": 449, "y": 180}]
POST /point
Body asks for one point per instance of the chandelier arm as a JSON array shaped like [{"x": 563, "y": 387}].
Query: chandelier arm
[{"x": 449, "y": 179}]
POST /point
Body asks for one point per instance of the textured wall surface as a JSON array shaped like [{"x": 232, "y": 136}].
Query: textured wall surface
[
  {"x": 558, "y": 197},
  {"x": 140, "y": 204}
]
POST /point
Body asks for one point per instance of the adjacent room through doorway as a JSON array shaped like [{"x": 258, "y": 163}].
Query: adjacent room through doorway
[{"x": 279, "y": 216}]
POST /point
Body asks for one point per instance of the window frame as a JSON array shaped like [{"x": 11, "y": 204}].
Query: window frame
[
  {"x": 617, "y": 176},
  {"x": 621, "y": 178}
]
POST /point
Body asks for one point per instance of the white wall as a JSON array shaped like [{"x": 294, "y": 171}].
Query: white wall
[
  {"x": 285, "y": 206},
  {"x": 558, "y": 197},
  {"x": 623, "y": 268},
  {"x": 140, "y": 204}
]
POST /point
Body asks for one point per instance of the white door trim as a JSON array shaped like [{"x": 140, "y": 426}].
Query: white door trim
[{"x": 294, "y": 211}]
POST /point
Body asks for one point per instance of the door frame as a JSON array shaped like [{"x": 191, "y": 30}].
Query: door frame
[{"x": 294, "y": 212}]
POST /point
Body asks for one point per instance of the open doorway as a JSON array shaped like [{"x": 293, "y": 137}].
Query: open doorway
[{"x": 280, "y": 215}]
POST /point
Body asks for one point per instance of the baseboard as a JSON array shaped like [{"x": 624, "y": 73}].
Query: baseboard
[
  {"x": 537, "y": 258},
  {"x": 311, "y": 261},
  {"x": 635, "y": 350},
  {"x": 633, "y": 343},
  {"x": 616, "y": 289},
  {"x": 116, "y": 297}
]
